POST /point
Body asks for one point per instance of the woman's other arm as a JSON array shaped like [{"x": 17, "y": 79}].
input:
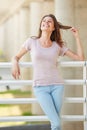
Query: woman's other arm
[
  {"x": 79, "y": 55},
  {"x": 15, "y": 64}
]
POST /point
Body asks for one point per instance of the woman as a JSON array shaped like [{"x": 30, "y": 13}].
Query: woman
[{"x": 47, "y": 84}]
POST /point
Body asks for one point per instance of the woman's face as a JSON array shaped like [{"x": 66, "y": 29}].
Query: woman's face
[{"x": 47, "y": 24}]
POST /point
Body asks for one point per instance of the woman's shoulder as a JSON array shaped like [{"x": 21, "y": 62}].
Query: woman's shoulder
[
  {"x": 29, "y": 43},
  {"x": 56, "y": 44},
  {"x": 64, "y": 44},
  {"x": 31, "y": 39}
]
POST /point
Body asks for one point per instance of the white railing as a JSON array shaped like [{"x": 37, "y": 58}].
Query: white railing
[{"x": 83, "y": 99}]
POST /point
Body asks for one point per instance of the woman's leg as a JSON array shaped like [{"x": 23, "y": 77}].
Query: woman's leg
[
  {"x": 57, "y": 93},
  {"x": 45, "y": 99}
]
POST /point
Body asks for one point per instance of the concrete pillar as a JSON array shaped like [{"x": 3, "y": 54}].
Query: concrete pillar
[
  {"x": 23, "y": 24},
  {"x": 15, "y": 25},
  {"x": 1, "y": 37},
  {"x": 35, "y": 17},
  {"x": 65, "y": 13},
  {"x": 36, "y": 9},
  {"x": 81, "y": 23},
  {"x": 11, "y": 36},
  {"x": 2, "y": 55},
  {"x": 48, "y": 7},
  {"x": 24, "y": 33}
]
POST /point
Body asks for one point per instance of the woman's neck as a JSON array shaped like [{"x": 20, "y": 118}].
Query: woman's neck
[
  {"x": 45, "y": 40},
  {"x": 45, "y": 37}
]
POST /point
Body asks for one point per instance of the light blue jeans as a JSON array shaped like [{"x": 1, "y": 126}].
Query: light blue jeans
[{"x": 50, "y": 99}]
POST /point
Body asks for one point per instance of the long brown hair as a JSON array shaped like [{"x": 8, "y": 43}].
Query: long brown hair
[{"x": 56, "y": 35}]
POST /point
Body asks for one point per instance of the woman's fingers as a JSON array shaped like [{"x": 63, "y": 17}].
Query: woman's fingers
[
  {"x": 16, "y": 74},
  {"x": 16, "y": 71},
  {"x": 74, "y": 31}
]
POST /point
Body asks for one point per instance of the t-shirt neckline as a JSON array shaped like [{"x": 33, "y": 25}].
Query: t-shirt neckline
[{"x": 44, "y": 47}]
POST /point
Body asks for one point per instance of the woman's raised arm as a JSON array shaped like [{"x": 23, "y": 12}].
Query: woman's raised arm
[{"x": 79, "y": 55}]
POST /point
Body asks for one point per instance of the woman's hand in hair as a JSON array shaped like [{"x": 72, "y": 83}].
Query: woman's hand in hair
[
  {"x": 75, "y": 32},
  {"x": 79, "y": 55}
]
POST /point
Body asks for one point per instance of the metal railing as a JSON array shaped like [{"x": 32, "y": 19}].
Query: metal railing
[{"x": 82, "y": 100}]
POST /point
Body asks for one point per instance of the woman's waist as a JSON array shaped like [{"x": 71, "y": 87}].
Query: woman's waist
[
  {"x": 47, "y": 78},
  {"x": 41, "y": 82}
]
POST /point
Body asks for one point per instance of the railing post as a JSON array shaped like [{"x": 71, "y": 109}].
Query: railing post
[{"x": 84, "y": 95}]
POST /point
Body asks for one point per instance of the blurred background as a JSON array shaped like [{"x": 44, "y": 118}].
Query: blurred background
[{"x": 19, "y": 19}]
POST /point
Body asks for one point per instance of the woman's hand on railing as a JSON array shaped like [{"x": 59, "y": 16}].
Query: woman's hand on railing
[{"x": 15, "y": 69}]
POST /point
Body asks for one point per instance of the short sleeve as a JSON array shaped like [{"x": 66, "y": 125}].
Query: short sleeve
[
  {"x": 63, "y": 50},
  {"x": 27, "y": 44}
]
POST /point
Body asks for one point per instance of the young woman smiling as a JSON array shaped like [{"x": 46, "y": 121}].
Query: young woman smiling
[{"x": 45, "y": 49}]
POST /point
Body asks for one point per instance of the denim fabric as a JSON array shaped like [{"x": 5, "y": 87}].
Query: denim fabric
[{"x": 50, "y": 98}]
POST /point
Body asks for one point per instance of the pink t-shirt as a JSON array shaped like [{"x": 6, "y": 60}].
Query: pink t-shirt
[{"x": 45, "y": 62}]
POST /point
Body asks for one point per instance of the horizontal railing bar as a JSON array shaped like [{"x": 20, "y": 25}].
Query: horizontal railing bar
[
  {"x": 9, "y": 64},
  {"x": 75, "y": 100},
  {"x": 23, "y": 118},
  {"x": 73, "y": 118},
  {"x": 16, "y": 82},
  {"x": 18, "y": 101},
  {"x": 72, "y": 63},
  {"x": 40, "y": 118},
  {"x": 34, "y": 100},
  {"x": 29, "y": 64},
  {"x": 29, "y": 82},
  {"x": 5, "y": 65},
  {"x": 75, "y": 82}
]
